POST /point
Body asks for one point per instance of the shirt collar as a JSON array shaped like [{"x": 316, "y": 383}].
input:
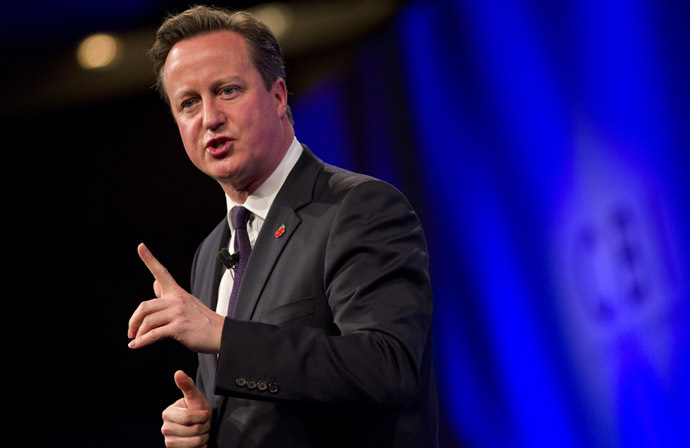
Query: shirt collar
[{"x": 260, "y": 201}]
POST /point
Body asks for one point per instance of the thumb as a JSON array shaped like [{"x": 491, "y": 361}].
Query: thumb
[{"x": 192, "y": 396}]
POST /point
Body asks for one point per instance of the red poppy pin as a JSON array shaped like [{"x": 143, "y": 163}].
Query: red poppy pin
[{"x": 280, "y": 231}]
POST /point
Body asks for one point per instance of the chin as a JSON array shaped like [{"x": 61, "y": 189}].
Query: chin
[{"x": 224, "y": 175}]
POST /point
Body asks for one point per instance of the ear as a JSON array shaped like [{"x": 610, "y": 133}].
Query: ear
[{"x": 279, "y": 93}]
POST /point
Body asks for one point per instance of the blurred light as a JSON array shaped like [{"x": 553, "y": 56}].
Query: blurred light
[
  {"x": 278, "y": 17},
  {"x": 98, "y": 51}
]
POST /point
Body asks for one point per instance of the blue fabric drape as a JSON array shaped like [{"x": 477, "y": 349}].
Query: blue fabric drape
[{"x": 544, "y": 148}]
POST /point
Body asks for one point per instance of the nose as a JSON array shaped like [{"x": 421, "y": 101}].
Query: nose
[{"x": 214, "y": 118}]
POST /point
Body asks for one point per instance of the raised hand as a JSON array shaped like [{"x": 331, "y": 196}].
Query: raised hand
[
  {"x": 187, "y": 422},
  {"x": 174, "y": 313}
]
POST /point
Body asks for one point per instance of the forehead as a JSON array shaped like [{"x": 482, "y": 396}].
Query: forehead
[{"x": 198, "y": 54}]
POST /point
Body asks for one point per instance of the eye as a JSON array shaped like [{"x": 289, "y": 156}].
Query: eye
[
  {"x": 228, "y": 91},
  {"x": 186, "y": 104}
]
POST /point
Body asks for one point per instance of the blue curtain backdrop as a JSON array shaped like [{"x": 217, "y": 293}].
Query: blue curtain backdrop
[{"x": 544, "y": 145}]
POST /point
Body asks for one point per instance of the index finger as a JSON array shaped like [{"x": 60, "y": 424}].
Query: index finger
[{"x": 159, "y": 272}]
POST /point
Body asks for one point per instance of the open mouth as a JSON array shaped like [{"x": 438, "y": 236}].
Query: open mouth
[
  {"x": 217, "y": 143},
  {"x": 219, "y": 147}
]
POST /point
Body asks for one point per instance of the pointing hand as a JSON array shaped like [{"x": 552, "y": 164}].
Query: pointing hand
[{"x": 174, "y": 313}]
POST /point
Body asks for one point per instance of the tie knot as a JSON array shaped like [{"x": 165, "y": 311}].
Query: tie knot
[{"x": 240, "y": 215}]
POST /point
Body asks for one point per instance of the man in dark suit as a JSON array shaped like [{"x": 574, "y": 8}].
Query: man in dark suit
[{"x": 317, "y": 332}]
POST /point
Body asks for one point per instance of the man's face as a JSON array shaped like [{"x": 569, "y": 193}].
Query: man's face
[{"x": 232, "y": 128}]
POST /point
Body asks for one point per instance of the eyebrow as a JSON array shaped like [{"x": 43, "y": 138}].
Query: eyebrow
[
  {"x": 226, "y": 80},
  {"x": 214, "y": 85}
]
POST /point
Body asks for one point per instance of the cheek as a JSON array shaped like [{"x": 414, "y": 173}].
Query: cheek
[{"x": 188, "y": 135}]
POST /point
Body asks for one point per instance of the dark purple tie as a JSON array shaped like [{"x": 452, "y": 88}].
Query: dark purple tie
[{"x": 240, "y": 215}]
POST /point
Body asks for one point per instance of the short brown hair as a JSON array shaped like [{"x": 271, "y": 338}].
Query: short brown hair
[{"x": 262, "y": 45}]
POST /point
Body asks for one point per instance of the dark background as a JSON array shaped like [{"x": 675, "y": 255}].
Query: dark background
[{"x": 93, "y": 166}]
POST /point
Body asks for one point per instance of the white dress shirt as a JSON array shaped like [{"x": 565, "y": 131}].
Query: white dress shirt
[{"x": 258, "y": 203}]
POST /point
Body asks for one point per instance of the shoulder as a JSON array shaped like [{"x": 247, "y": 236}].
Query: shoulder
[
  {"x": 347, "y": 184},
  {"x": 314, "y": 182}
]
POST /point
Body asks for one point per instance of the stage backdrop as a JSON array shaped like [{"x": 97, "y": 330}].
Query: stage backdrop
[{"x": 545, "y": 147}]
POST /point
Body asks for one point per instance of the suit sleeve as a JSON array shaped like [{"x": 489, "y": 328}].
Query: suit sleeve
[{"x": 376, "y": 284}]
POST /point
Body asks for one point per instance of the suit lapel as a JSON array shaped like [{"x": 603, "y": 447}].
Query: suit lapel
[
  {"x": 295, "y": 193},
  {"x": 264, "y": 256}
]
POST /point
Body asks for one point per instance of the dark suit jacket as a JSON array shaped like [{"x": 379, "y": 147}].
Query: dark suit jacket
[{"x": 330, "y": 343}]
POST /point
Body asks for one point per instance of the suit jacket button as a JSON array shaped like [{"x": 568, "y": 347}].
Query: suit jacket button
[
  {"x": 251, "y": 384},
  {"x": 240, "y": 381},
  {"x": 273, "y": 387},
  {"x": 261, "y": 385}
]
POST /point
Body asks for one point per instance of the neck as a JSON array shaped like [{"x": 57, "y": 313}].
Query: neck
[{"x": 237, "y": 196}]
